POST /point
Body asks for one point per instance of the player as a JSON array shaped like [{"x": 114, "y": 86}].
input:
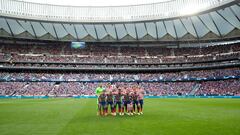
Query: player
[
  {"x": 136, "y": 105},
  {"x": 118, "y": 102},
  {"x": 102, "y": 103},
  {"x": 110, "y": 103},
  {"x": 125, "y": 100},
  {"x": 109, "y": 87},
  {"x": 140, "y": 100},
  {"x": 130, "y": 104},
  {"x": 98, "y": 91}
]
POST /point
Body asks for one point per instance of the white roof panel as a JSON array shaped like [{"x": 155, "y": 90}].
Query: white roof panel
[
  {"x": 224, "y": 26},
  {"x": 131, "y": 29},
  {"x": 121, "y": 32},
  {"x": 4, "y": 25},
  {"x": 27, "y": 26},
  {"x": 151, "y": 29},
  {"x": 70, "y": 29},
  {"x": 15, "y": 26},
  {"x": 228, "y": 15},
  {"x": 170, "y": 28},
  {"x": 49, "y": 28},
  {"x": 60, "y": 30},
  {"x": 101, "y": 32},
  {"x": 236, "y": 10},
  {"x": 180, "y": 29},
  {"x": 39, "y": 30},
  {"x": 206, "y": 18},
  {"x": 189, "y": 26},
  {"x": 110, "y": 30},
  {"x": 81, "y": 32},
  {"x": 141, "y": 30},
  {"x": 161, "y": 29},
  {"x": 201, "y": 29},
  {"x": 91, "y": 30}
]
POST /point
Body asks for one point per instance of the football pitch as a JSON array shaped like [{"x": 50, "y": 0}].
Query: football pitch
[{"x": 69, "y": 116}]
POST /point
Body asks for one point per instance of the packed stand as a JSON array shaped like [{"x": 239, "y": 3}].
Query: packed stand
[
  {"x": 121, "y": 76},
  {"x": 113, "y": 54},
  {"x": 209, "y": 88}
]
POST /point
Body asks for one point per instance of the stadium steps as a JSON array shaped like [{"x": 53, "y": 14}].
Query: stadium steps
[
  {"x": 136, "y": 77},
  {"x": 195, "y": 88},
  {"x": 7, "y": 57},
  {"x": 119, "y": 51},
  {"x": 21, "y": 91},
  {"x": 34, "y": 49},
  {"x": 25, "y": 87},
  {"x": 172, "y": 52},
  {"x": 6, "y": 77},
  {"x": 63, "y": 50},
  {"x": 160, "y": 60},
  {"x": 61, "y": 77},
  {"x": 105, "y": 60},
  {"x": 1, "y": 48},
  {"x": 53, "y": 90},
  {"x": 231, "y": 49},
  {"x": 146, "y": 52}
]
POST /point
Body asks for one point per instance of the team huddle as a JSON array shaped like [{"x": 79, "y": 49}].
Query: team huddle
[{"x": 121, "y": 100}]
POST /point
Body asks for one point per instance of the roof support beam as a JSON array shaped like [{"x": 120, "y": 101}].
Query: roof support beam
[
  {"x": 208, "y": 27},
  {"x": 21, "y": 26},
  {"x": 194, "y": 27},
  {"x": 55, "y": 31},
  {"x": 115, "y": 29},
  {"x": 33, "y": 30},
  {"x": 136, "y": 31},
  {"x": 234, "y": 13},
  {"x": 96, "y": 32},
  {"x": 165, "y": 27},
  {"x": 46, "y": 30},
  {"x": 156, "y": 30},
  {"x": 9, "y": 27},
  {"x": 75, "y": 31},
  {"x": 215, "y": 25},
  {"x": 225, "y": 18},
  {"x": 184, "y": 26},
  {"x": 125, "y": 29},
  {"x": 175, "y": 31},
  {"x": 105, "y": 29},
  {"x": 85, "y": 30}
]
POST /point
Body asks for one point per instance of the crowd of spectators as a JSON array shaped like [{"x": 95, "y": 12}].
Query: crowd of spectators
[
  {"x": 115, "y": 54},
  {"x": 121, "y": 76},
  {"x": 113, "y": 59},
  {"x": 216, "y": 88},
  {"x": 208, "y": 88},
  {"x": 70, "y": 87}
]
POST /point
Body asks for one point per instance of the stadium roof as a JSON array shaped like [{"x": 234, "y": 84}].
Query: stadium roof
[
  {"x": 220, "y": 23},
  {"x": 96, "y": 2},
  {"x": 164, "y": 9}
]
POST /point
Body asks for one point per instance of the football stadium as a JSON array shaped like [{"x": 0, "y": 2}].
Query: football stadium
[{"x": 119, "y": 67}]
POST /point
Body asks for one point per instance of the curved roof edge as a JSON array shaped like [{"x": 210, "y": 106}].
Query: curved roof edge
[
  {"x": 217, "y": 24},
  {"x": 147, "y": 12}
]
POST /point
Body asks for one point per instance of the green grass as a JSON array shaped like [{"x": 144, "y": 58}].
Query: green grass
[{"x": 78, "y": 117}]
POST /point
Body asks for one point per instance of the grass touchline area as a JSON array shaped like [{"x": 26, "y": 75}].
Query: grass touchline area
[{"x": 68, "y": 116}]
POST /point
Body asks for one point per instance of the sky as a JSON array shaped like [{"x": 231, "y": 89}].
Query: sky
[{"x": 96, "y": 2}]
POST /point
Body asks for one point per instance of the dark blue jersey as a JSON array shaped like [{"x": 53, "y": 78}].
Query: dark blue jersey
[{"x": 102, "y": 98}]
